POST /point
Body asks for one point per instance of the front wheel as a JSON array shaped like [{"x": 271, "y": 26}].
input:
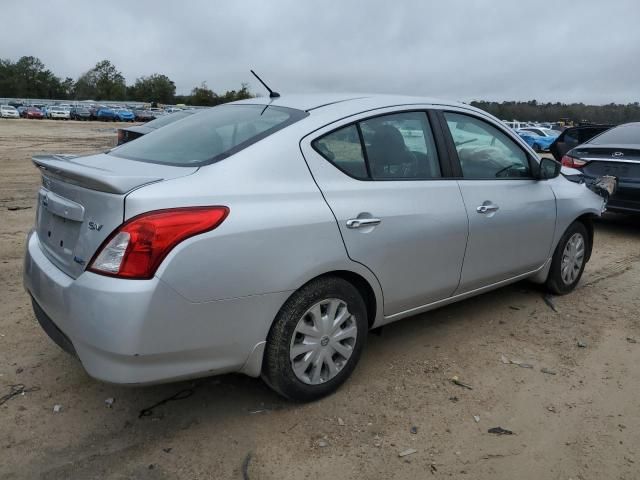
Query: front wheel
[
  {"x": 569, "y": 260},
  {"x": 316, "y": 340}
]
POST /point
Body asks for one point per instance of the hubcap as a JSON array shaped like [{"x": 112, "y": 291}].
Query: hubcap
[
  {"x": 572, "y": 259},
  {"x": 323, "y": 341}
]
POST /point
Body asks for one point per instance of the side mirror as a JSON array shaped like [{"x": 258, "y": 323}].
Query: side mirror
[{"x": 549, "y": 168}]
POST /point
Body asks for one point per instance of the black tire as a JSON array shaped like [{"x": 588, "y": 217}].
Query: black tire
[
  {"x": 277, "y": 370},
  {"x": 555, "y": 283}
]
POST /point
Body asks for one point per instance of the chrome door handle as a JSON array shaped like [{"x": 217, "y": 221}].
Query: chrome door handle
[
  {"x": 363, "y": 222},
  {"x": 487, "y": 208}
]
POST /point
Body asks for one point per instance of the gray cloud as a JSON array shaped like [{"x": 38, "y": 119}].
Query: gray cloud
[{"x": 584, "y": 50}]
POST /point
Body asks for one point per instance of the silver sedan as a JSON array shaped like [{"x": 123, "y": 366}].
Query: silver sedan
[{"x": 268, "y": 236}]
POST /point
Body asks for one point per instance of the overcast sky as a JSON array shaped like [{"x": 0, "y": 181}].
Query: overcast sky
[{"x": 570, "y": 50}]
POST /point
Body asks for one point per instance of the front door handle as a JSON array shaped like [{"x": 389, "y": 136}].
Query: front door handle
[
  {"x": 363, "y": 222},
  {"x": 487, "y": 208}
]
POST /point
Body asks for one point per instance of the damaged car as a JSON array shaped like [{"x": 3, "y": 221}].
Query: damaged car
[
  {"x": 268, "y": 236},
  {"x": 614, "y": 153}
]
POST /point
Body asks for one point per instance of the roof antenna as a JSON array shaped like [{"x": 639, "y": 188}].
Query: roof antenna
[{"x": 272, "y": 94}]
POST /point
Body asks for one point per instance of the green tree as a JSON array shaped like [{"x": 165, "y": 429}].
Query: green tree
[
  {"x": 203, "y": 96},
  {"x": 154, "y": 88},
  {"x": 102, "y": 82}
]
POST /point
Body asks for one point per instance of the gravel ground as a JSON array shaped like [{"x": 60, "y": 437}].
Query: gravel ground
[{"x": 581, "y": 421}]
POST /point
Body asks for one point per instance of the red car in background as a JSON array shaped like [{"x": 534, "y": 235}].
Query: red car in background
[{"x": 32, "y": 112}]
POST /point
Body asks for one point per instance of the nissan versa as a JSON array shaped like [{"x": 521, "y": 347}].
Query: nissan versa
[{"x": 267, "y": 236}]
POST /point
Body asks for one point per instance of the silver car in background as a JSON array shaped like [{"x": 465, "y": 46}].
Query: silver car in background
[{"x": 267, "y": 236}]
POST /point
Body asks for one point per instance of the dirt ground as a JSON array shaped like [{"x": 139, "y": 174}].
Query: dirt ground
[{"x": 581, "y": 422}]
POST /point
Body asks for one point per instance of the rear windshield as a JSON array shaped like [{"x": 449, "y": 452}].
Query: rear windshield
[
  {"x": 622, "y": 135},
  {"x": 210, "y": 135},
  {"x": 167, "y": 119}
]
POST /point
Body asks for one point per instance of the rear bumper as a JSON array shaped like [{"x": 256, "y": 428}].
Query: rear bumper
[{"x": 143, "y": 331}]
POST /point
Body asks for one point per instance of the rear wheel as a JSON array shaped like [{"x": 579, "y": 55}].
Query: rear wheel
[
  {"x": 316, "y": 340},
  {"x": 569, "y": 260}
]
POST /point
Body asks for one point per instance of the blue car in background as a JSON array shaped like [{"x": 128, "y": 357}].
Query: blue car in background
[
  {"x": 124, "y": 115},
  {"x": 537, "y": 142},
  {"x": 105, "y": 114}
]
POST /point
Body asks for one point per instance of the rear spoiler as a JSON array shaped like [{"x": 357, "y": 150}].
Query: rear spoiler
[{"x": 93, "y": 177}]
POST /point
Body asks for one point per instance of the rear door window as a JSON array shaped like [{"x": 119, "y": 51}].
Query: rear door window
[
  {"x": 343, "y": 148},
  {"x": 210, "y": 135},
  {"x": 397, "y": 146}
]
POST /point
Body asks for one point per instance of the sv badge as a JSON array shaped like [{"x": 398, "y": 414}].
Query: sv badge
[{"x": 95, "y": 226}]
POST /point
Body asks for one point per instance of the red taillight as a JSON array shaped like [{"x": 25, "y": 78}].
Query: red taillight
[
  {"x": 136, "y": 249},
  {"x": 572, "y": 162}
]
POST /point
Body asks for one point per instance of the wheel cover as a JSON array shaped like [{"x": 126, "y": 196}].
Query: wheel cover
[
  {"x": 323, "y": 341},
  {"x": 572, "y": 258}
]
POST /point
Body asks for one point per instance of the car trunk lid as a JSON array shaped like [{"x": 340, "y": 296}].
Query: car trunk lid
[
  {"x": 82, "y": 199},
  {"x": 620, "y": 162}
]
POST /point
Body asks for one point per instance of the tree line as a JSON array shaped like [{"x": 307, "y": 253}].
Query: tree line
[
  {"x": 612, "y": 113},
  {"x": 29, "y": 78}
]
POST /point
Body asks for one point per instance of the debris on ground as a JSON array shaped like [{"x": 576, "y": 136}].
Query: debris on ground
[
  {"x": 181, "y": 395},
  {"x": 476, "y": 418},
  {"x": 513, "y": 307},
  {"x": 453, "y": 399},
  {"x": 15, "y": 390},
  {"x": 548, "y": 299},
  {"x": 433, "y": 468},
  {"x": 582, "y": 344},
  {"x": 631, "y": 340},
  {"x": 377, "y": 441},
  {"x": 552, "y": 409},
  {"x": 504, "y": 360},
  {"x": 500, "y": 431},
  {"x": 57, "y": 408},
  {"x": 167, "y": 450},
  {"x": 456, "y": 381},
  {"x": 322, "y": 443},
  {"x": 520, "y": 363},
  {"x": 340, "y": 422},
  {"x": 245, "y": 466},
  {"x": 547, "y": 371},
  {"x": 408, "y": 451},
  {"x": 414, "y": 430},
  {"x": 109, "y": 402},
  {"x": 16, "y": 208}
]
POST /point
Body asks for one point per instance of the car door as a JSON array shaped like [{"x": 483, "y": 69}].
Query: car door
[
  {"x": 511, "y": 214},
  {"x": 397, "y": 212}
]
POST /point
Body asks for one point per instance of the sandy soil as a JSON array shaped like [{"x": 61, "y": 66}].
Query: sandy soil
[{"x": 583, "y": 422}]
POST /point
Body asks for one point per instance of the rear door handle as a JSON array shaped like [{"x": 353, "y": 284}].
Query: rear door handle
[
  {"x": 488, "y": 208},
  {"x": 363, "y": 222}
]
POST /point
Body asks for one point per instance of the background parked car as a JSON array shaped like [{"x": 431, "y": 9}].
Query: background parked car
[
  {"x": 7, "y": 111},
  {"x": 542, "y": 131},
  {"x": 105, "y": 114},
  {"x": 143, "y": 115},
  {"x": 127, "y": 134},
  {"x": 124, "y": 115},
  {"x": 80, "y": 113},
  {"x": 58, "y": 113},
  {"x": 574, "y": 136},
  {"x": 615, "y": 152},
  {"x": 32, "y": 112},
  {"x": 537, "y": 142}
]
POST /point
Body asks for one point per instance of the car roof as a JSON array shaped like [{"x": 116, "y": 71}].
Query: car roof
[{"x": 314, "y": 101}]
